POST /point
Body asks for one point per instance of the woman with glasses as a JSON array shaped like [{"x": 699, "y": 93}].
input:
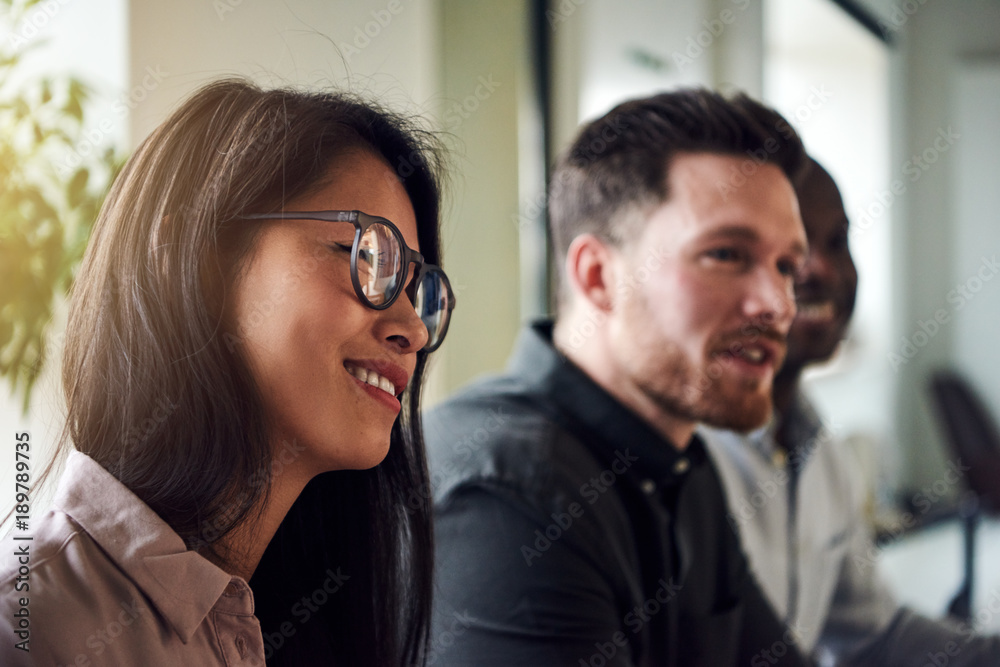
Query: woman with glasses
[{"x": 246, "y": 341}]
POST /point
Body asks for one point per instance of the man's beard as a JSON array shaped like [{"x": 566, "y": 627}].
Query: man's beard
[
  {"x": 710, "y": 396},
  {"x": 715, "y": 402},
  {"x": 742, "y": 410}
]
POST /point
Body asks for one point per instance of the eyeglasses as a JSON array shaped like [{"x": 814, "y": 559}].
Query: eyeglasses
[{"x": 380, "y": 260}]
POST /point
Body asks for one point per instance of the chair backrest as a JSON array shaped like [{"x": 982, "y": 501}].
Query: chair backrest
[{"x": 972, "y": 435}]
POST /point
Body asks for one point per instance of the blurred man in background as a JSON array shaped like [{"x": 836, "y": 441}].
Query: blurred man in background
[
  {"x": 579, "y": 520},
  {"x": 797, "y": 499}
]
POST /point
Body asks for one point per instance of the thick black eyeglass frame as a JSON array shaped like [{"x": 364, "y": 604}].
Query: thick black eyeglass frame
[{"x": 362, "y": 221}]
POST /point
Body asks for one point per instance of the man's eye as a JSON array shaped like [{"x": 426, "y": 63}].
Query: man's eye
[
  {"x": 789, "y": 268},
  {"x": 726, "y": 254}
]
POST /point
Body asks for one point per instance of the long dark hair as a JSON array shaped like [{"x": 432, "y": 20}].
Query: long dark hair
[{"x": 160, "y": 395}]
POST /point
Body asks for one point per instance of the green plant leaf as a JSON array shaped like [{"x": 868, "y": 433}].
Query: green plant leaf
[{"x": 46, "y": 208}]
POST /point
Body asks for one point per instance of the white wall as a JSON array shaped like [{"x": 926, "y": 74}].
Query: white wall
[
  {"x": 386, "y": 48},
  {"x": 484, "y": 48},
  {"x": 927, "y": 235},
  {"x": 976, "y": 216},
  {"x": 624, "y": 49}
]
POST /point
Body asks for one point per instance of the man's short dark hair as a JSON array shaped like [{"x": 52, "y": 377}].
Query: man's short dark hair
[{"x": 615, "y": 172}]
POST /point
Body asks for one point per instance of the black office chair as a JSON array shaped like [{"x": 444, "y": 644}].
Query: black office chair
[{"x": 973, "y": 437}]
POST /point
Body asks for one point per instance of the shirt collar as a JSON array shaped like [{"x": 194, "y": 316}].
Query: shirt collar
[
  {"x": 612, "y": 427},
  {"x": 181, "y": 584},
  {"x": 802, "y": 422}
]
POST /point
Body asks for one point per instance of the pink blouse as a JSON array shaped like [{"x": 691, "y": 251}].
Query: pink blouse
[{"x": 110, "y": 583}]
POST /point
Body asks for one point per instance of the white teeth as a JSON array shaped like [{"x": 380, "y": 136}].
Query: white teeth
[
  {"x": 753, "y": 355},
  {"x": 372, "y": 378},
  {"x": 360, "y": 373}
]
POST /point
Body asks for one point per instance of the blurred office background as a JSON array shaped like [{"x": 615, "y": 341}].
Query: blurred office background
[{"x": 900, "y": 99}]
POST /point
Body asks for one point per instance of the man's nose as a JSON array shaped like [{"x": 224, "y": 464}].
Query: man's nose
[{"x": 770, "y": 299}]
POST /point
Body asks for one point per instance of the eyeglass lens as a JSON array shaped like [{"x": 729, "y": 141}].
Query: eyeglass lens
[
  {"x": 379, "y": 264},
  {"x": 381, "y": 274},
  {"x": 431, "y": 303}
]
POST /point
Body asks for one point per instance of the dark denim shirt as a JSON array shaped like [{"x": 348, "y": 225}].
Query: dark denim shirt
[{"x": 569, "y": 532}]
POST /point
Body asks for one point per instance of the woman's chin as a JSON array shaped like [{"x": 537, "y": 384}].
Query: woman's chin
[{"x": 361, "y": 457}]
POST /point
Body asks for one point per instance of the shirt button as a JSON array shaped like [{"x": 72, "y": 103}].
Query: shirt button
[
  {"x": 681, "y": 466},
  {"x": 648, "y": 486},
  {"x": 778, "y": 458}
]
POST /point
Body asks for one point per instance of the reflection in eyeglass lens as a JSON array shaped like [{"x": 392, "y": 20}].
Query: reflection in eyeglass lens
[
  {"x": 379, "y": 260},
  {"x": 432, "y": 305}
]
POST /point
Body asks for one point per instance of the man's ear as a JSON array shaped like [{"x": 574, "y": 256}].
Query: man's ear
[{"x": 591, "y": 271}]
